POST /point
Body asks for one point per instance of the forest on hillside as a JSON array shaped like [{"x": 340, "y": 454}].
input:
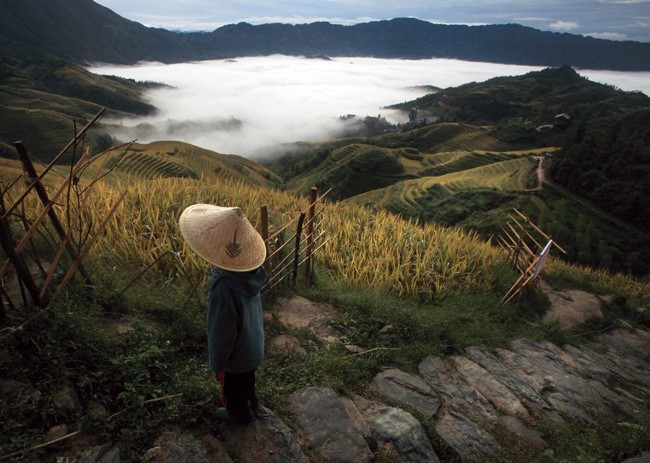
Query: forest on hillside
[{"x": 609, "y": 165}]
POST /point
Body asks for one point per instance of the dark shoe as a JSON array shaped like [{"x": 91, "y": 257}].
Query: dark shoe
[{"x": 242, "y": 415}]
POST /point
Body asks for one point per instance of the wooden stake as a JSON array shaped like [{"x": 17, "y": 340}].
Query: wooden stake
[
  {"x": 264, "y": 218},
  {"x": 296, "y": 261},
  {"x": 313, "y": 198},
  {"x": 22, "y": 270},
  {"x": 42, "y": 194},
  {"x": 540, "y": 231},
  {"x": 54, "y": 161}
]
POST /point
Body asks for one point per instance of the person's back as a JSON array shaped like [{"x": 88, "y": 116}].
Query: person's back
[
  {"x": 235, "y": 321},
  {"x": 235, "y": 324}
]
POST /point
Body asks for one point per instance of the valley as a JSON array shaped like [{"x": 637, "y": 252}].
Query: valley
[{"x": 397, "y": 344}]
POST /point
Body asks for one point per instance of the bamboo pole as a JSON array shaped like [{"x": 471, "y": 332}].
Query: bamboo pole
[
  {"x": 42, "y": 194},
  {"x": 22, "y": 270},
  {"x": 284, "y": 227},
  {"x": 56, "y": 158},
  {"x": 313, "y": 197},
  {"x": 65, "y": 241},
  {"x": 521, "y": 240},
  {"x": 510, "y": 292},
  {"x": 301, "y": 219},
  {"x": 540, "y": 231},
  {"x": 282, "y": 246},
  {"x": 526, "y": 232},
  {"x": 317, "y": 248},
  {"x": 84, "y": 252}
]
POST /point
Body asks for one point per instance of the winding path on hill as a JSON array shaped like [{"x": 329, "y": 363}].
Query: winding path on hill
[{"x": 541, "y": 180}]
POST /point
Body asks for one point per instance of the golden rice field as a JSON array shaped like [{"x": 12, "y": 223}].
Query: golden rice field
[
  {"x": 366, "y": 247},
  {"x": 369, "y": 248}
]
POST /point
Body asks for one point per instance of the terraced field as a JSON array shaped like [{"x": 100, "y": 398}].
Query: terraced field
[
  {"x": 456, "y": 161},
  {"x": 177, "y": 159},
  {"x": 447, "y": 137},
  {"x": 146, "y": 165},
  {"x": 39, "y": 130},
  {"x": 474, "y": 138},
  {"x": 358, "y": 168},
  {"x": 511, "y": 175}
]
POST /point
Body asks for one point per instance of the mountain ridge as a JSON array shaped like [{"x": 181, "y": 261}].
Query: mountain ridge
[{"x": 83, "y": 31}]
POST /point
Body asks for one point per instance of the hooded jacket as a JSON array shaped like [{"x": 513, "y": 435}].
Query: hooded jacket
[{"x": 235, "y": 325}]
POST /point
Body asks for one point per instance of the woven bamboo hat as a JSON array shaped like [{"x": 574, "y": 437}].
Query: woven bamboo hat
[{"x": 223, "y": 236}]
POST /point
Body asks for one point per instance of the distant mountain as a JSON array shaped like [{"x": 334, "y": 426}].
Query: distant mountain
[
  {"x": 415, "y": 39},
  {"x": 83, "y": 31}
]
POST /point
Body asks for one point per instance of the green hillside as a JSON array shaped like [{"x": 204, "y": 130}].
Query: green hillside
[
  {"x": 355, "y": 168},
  {"x": 84, "y": 31},
  {"x": 42, "y": 102},
  {"x": 535, "y": 97},
  {"x": 472, "y": 167},
  {"x": 607, "y": 162}
]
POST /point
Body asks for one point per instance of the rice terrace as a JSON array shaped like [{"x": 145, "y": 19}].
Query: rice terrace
[{"x": 463, "y": 278}]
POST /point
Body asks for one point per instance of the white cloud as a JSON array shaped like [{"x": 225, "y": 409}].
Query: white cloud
[
  {"x": 628, "y": 81},
  {"x": 608, "y": 35},
  {"x": 282, "y": 99},
  {"x": 624, "y": 1},
  {"x": 564, "y": 25},
  {"x": 305, "y": 19}
]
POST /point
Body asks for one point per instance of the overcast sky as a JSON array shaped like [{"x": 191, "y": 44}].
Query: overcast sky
[{"x": 610, "y": 19}]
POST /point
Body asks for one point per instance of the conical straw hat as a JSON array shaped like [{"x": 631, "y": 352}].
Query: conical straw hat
[{"x": 223, "y": 236}]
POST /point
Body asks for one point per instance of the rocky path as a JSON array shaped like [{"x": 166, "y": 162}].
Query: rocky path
[{"x": 478, "y": 402}]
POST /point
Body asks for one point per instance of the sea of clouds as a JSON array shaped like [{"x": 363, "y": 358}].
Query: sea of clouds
[{"x": 282, "y": 99}]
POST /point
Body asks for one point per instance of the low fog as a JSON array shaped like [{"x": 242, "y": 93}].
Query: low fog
[{"x": 249, "y": 106}]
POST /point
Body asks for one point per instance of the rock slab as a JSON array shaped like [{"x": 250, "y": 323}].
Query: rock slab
[
  {"x": 326, "y": 427},
  {"x": 407, "y": 389}
]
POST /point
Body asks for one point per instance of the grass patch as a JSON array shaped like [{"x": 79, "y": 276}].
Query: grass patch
[
  {"x": 163, "y": 354},
  {"x": 114, "y": 366},
  {"x": 608, "y": 440}
]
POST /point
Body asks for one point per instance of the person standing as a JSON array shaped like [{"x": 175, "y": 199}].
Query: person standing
[{"x": 224, "y": 237}]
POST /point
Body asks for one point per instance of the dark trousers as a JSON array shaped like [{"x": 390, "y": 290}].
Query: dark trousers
[{"x": 237, "y": 389}]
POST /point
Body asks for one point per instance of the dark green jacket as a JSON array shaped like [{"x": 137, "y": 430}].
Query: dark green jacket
[{"x": 235, "y": 323}]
